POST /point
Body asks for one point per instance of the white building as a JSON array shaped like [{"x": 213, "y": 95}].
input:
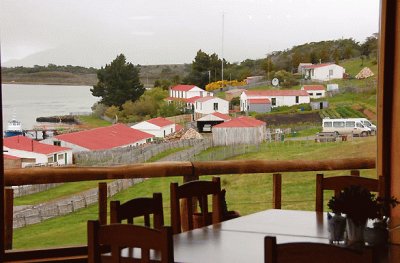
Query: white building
[
  {"x": 207, "y": 105},
  {"x": 315, "y": 91},
  {"x": 159, "y": 127},
  {"x": 277, "y": 98},
  {"x": 187, "y": 91},
  {"x": 43, "y": 154},
  {"x": 323, "y": 72}
]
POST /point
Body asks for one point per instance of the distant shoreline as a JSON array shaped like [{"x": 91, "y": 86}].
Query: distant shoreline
[{"x": 46, "y": 83}]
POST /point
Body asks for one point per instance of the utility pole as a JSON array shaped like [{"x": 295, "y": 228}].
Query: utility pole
[{"x": 222, "y": 51}]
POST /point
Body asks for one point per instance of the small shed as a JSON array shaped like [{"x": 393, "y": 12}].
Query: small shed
[
  {"x": 241, "y": 130},
  {"x": 211, "y": 120},
  {"x": 319, "y": 105}
]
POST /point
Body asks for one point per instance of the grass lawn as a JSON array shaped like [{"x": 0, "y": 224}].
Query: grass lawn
[
  {"x": 93, "y": 122},
  {"x": 64, "y": 190},
  {"x": 246, "y": 193}
]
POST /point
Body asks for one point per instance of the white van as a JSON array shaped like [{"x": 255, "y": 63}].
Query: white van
[
  {"x": 368, "y": 124},
  {"x": 345, "y": 126}
]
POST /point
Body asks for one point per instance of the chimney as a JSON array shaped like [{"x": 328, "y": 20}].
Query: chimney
[{"x": 32, "y": 144}]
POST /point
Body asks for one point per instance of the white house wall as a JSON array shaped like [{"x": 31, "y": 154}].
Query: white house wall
[
  {"x": 322, "y": 73},
  {"x": 156, "y": 130},
  {"x": 207, "y": 107},
  {"x": 39, "y": 157},
  {"x": 75, "y": 148},
  {"x": 280, "y": 100}
]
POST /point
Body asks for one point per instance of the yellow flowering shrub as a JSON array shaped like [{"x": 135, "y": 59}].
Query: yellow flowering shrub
[{"x": 218, "y": 84}]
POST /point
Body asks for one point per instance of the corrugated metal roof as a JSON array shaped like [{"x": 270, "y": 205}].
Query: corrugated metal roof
[
  {"x": 317, "y": 65},
  {"x": 259, "y": 101},
  {"x": 160, "y": 122},
  {"x": 265, "y": 93},
  {"x": 27, "y": 144},
  {"x": 105, "y": 137},
  {"x": 313, "y": 87},
  {"x": 240, "y": 122}
]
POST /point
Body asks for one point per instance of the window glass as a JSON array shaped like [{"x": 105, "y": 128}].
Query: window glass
[
  {"x": 350, "y": 124},
  {"x": 328, "y": 124},
  {"x": 338, "y": 124}
]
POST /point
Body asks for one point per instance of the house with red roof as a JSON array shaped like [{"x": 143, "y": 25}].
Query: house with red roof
[
  {"x": 103, "y": 138},
  {"x": 323, "y": 71},
  {"x": 241, "y": 130},
  {"x": 187, "y": 94},
  {"x": 43, "y": 154},
  {"x": 209, "y": 104},
  {"x": 264, "y": 100},
  {"x": 159, "y": 127},
  {"x": 315, "y": 91}
]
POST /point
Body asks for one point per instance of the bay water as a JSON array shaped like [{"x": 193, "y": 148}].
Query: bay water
[{"x": 27, "y": 102}]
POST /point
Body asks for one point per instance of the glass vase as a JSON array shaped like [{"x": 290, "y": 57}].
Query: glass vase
[{"x": 355, "y": 232}]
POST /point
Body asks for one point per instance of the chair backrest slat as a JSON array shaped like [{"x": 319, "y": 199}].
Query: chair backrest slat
[
  {"x": 186, "y": 193},
  {"x": 139, "y": 207}
]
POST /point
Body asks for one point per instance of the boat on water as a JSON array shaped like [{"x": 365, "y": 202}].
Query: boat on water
[{"x": 14, "y": 128}]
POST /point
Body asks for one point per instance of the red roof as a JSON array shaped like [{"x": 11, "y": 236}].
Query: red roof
[
  {"x": 317, "y": 65},
  {"x": 265, "y": 93},
  {"x": 192, "y": 99},
  {"x": 160, "y": 122},
  {"x": 10, "y": 157},
  {"x": 221, "y": 115},
  {"x": 241, "y": 122},
  {"x": 313, "y": 87},
  {"x": 105, "y": 137},
  {"x": 183, "y": 87},
  {"x": 259, "y": 101},
  {"x": 23, "y": 143}
]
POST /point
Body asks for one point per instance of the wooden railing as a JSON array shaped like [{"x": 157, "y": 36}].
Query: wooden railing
[{"x": 188, "y": 170}]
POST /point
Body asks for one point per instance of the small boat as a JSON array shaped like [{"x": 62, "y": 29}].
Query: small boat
[{"x": 14, "y": 127}]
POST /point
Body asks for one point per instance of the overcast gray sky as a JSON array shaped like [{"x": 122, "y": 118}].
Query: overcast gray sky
[{"x": 94, "y": 32}]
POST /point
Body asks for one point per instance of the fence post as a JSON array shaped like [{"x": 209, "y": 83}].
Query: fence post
[
  {"x": 8, "y": 221},
  {"x": 277, "y": 190},
  {"x": 102, "y": 203}
]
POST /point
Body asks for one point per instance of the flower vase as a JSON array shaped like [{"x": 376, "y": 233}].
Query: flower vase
[
  {"x": 378, "y": 235},
  {"x": 355, "y": 232},
  {"x": 336, "y": 226}
]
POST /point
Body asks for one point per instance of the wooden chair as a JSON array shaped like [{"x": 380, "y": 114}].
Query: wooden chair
[
  {"x": 115, "y": 243},
  {"x": 338, "y": 183},
  {"x": 304, "y": 252},
  {"x": 200, "y": 190},
  {"x": 137, "y": 207}
]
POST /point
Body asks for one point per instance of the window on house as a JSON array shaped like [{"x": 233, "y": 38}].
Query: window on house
[
  {"x": 331, "y": 72},
  {"x": 215, "y": 106},
  {"x": 61, "y": 157},
  {"x": 57, "y": 143},
  {"x": 273, "y": 101},
  {"x": 319, "y": 94},
  {"x": 50, "y": 159},
  {"x": 297, "y": 99}
]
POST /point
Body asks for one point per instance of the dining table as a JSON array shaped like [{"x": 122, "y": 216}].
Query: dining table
[{"x": 242, "y": 239}]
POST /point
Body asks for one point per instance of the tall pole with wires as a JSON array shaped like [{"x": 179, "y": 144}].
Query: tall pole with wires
[{"x": 222, "y": 49}]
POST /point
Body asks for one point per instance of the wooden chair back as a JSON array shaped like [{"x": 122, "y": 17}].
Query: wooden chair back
[
  {"x": 139, "y": 207},
  {"x": 187, "y": 192},
  {"x": 122, "y": 242},
  {"x": 304, "y": 252},
  {"x": 338, "y": 183}
]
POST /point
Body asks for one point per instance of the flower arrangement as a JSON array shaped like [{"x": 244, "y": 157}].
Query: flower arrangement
[{"x": 359, "y": 204}]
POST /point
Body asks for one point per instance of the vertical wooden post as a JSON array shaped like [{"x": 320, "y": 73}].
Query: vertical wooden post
[
  {"x": 277, "y": 190},
  {"x": 355, "y": 172},
  {"x": 8, "y": 221},
  {"x": 319, "y": 193},
  {"x": 184, "y": 211},
  {"x": 103, "y": 203}
]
